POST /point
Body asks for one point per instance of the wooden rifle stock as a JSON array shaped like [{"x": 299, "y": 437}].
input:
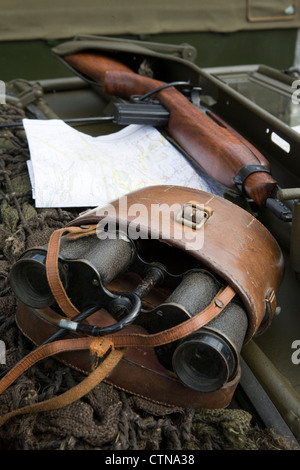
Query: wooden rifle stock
[{"x": 218, "y": 149}]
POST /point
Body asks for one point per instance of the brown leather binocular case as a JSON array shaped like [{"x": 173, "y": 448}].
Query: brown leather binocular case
[{"x": 175, "y": 278}]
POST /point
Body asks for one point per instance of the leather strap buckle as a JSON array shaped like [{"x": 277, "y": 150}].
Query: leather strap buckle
[{"x": 194, "y": 215}]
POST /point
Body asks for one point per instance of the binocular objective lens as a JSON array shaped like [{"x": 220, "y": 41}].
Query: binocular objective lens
[
  {"x": 37, "y": 281},
  {"x": 204, "y": 362},
  {"x": 28, "y": 280}
]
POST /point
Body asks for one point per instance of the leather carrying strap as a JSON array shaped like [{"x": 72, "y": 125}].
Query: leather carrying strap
[
  {"x": 179, "y": 331},
  {"x": 54, "y": 281},
  {"x": 99, "y": 347},
  {"x": 216, "y": 306}
]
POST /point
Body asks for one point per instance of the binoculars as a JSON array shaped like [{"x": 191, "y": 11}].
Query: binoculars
[{"x": 204, "y": 360}]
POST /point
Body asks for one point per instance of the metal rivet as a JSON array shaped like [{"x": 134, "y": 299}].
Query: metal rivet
[
  {"x": 277, "y": 310},
  {"x": 219, "y": 303}
]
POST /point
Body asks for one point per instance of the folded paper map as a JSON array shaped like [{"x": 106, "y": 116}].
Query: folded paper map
[{"x": 68, "y": 168}]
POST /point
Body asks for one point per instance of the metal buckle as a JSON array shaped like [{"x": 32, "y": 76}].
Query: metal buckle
[{"x": 194, "y": 215}]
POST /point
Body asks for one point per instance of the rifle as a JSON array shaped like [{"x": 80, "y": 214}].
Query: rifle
[{"x": 218, "y": 149}]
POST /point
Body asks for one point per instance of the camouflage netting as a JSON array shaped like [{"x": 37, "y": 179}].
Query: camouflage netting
[{"x": 105, "y": 418}]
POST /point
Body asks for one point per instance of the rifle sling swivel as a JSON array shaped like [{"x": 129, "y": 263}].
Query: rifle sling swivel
[{"x": 246, "y": 171}]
